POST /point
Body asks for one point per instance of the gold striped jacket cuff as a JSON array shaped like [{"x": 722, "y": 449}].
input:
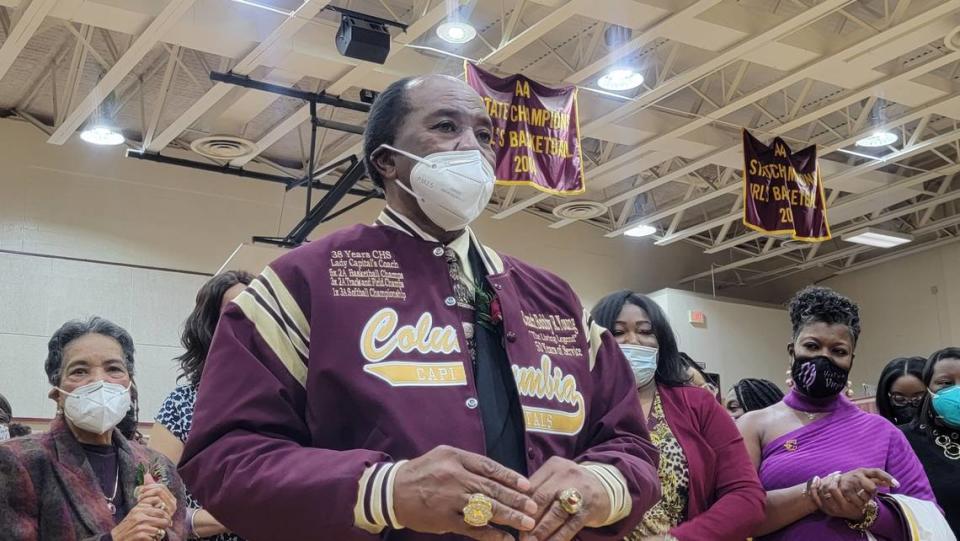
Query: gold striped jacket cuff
[
  {"x": 373, "y": 510},
  {"x": 616, "y": 487}
]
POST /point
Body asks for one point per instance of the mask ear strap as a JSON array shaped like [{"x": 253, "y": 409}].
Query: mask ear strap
[{"x": 413, "y": 157}]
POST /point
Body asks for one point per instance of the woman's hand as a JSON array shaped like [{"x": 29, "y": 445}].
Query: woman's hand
[
  {"x": 553, "y": 523},
  {"x": 431, "y": 491},
  {"x": 846, "y": 495},
  {"x": 143, "y": 523}
]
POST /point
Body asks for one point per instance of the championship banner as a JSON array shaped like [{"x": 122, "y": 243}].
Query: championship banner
[
  {"x": 783, "y": 190},
  {"x": 536, "y": 132}
]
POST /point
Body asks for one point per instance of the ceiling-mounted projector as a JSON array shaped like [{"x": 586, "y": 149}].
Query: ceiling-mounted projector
[{"x": 363, "y": 40}]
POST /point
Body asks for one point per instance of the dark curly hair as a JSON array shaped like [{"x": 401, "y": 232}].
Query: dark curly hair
[
  {"x": 200, "y": 324},
  {"x": 671, "y": 367},
  {"x": 903, "y": 366},
  {"x": 817, "y": 304}
]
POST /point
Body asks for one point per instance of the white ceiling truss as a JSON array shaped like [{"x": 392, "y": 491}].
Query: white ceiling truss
[{"x": 824, "y": 72}]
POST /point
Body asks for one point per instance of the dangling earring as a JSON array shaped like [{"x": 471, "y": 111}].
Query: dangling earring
[
  {"x": 789, "y": 381},
  {"x": 849, "y": 391}
]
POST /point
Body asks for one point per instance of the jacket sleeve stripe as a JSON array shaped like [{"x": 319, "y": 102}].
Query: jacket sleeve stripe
[
  {"x": 273, "y": 334},
  {"x": 594, "y": 336},
  {"x": 616, "y": 485},
  {"x": 269, "y": 301},
  {"x": 289, "y": 305}
]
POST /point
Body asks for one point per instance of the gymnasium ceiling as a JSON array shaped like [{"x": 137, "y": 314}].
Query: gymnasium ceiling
[{"x": 823, "y": 72}]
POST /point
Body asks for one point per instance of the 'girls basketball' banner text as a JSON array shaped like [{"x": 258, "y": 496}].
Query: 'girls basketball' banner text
[
  {"x": 536, "y": 132},
  {"x": 783, "y": 190}
]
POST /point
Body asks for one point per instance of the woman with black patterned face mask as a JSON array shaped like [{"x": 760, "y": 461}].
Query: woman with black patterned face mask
[{"x": 828, "y": 467}]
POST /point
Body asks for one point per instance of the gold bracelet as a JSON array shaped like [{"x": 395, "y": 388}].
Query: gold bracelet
[{"x": 870, "y": 513}]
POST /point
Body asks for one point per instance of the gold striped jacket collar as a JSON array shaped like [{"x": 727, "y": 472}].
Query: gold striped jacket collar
[{"x": 395, "y": 220}]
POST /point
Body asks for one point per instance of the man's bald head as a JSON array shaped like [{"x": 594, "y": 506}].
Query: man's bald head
[{"x": 392, "y": 106}]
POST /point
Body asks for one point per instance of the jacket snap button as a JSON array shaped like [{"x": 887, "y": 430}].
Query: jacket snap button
[
  {"x": 497, "y": 286},
  {"x": 438, "y": 251},
  {"x": 531, "y": 453},
  {"x": 450, "y": 301},
  {"x": 472, "y": 403},
  {"x": 511, "y": 336}
]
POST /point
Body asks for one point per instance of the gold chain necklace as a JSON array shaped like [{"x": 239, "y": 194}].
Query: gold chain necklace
[{"x": 949, "y": 444}]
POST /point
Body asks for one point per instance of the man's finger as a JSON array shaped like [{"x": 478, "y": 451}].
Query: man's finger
[
  {"x": 483, "y": 534},
  {"x": 551, "y": 521},
  {"x": 570, "y": 528},
  {"x": 506, "y": 516},
  {"x": 484, "y": 467},
  {"x": 507, "y": 496}
]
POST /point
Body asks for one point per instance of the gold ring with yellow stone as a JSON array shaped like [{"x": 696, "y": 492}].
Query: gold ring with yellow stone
[
  {"x": 571, "y": 501},
  {"x": 478, "y": 511}
]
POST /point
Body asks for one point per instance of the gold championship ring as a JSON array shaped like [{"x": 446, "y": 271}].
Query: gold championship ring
[
  {"x": 478, "y": 511},
  {"x": 571, "y": 501}
]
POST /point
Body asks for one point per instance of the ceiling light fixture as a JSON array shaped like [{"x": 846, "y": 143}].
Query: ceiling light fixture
[
  {"x": 456, "y": 32},
  {"x": 620, "y": 79},
  {"x": 642, "y": 230},
  {"x": 102, "y": 135},
  {"x": 878, "y": 139},
  {"x": 877, "y": 237}
]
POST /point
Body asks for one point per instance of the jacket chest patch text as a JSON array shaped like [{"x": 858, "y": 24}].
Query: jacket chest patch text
[
  {"x": 383, "y": 336},
  {"x": 373, "y": 274}
]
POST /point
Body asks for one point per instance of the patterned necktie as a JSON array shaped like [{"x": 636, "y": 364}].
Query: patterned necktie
[{"x": 463, "y": 296}]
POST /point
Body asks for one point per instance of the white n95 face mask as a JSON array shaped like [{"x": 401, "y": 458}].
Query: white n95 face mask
[
  {"x": 643, "y": 362},
  {"x": 97, "y": 407},
  {"x": 452, "y": 188}
]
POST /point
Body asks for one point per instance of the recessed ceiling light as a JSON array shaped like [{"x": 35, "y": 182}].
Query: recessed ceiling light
[
  {"x": 641, "y": 230},
  {"x": 620, "y": 79},
  {"x": 877, "y": 237},
  {"x": 878, "y": 139},
  {"x": 456, "y": 32},
  {"x": 102, "y": 135}
]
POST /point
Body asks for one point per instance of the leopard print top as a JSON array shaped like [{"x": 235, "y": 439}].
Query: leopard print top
[{"x": 674, "y": 479}]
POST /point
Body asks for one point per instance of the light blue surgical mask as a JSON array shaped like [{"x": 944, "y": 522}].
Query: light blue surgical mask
[
  {"x": 946, "y": 404},
  {"x": 643, "y": 362}
]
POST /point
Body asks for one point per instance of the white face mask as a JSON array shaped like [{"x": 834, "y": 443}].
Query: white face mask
[
  {"x": 97, "y": 407},
  {"x": 643, "y": 362},
  {"x": 452, "y": 188}
]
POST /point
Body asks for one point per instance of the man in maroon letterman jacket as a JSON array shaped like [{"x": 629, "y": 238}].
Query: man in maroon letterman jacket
[{"x": 401, "y": 381}]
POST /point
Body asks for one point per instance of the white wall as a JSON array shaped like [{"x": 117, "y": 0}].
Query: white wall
[
  {"x": 739, "y": 339},
  {"x": 88, "y": 202},
  {"x": 908, "y": 306}
]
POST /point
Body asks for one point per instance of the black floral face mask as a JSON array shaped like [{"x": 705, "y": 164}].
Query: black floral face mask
[{"x": 818, "y": 377}]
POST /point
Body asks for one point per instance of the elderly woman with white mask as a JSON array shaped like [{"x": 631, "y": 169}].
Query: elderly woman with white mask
[{"x": 82, "y": 479}]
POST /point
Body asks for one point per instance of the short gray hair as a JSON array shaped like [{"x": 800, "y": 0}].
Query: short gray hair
[{"x": 76, "y": 328}]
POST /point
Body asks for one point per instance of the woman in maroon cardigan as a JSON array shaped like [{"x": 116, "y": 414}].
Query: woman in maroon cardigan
[{"x": 710, "y": 489}]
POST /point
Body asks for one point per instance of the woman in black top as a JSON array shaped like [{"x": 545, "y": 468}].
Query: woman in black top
[
  {"x": 901, "y": 391},
  {"x": 935, "y": 434}
]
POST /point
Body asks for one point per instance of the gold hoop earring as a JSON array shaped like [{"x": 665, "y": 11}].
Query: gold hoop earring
[
  {"x": 789, "y": 380},
  {"x": 849, "y": 391}
]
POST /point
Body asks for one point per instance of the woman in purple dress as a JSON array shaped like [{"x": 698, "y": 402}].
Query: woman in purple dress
[{"x": 824, "y": 462}]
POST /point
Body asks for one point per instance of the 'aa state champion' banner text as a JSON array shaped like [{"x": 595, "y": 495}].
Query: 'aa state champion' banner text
[
  {"x": 783, "y": 190},
  {"x": 536, "y": 132}
]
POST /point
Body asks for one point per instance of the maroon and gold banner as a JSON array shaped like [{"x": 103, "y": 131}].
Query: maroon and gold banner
[
  {"x": 536, "y": 132},
  {"x": 783, "y": 190}
]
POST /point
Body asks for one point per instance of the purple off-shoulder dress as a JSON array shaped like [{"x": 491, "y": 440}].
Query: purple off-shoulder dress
[{"x": 844, "y": 440}]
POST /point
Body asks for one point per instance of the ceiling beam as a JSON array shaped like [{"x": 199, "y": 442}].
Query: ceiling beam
[
  {"x": 159, "y": 27},
  {"x": 859, "y": 225},
  {"x": 536, "y": 31},
  {"x": 168, "y": 73},
  {"x": 649, "y": 34},
  {"x": 31, "y": 17},
  {"x": 352, "y": 78},
  {"x": 281, "y": 34},
  {"x": 811, "y": 69},
  {"x": 727, "y": 57}
]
